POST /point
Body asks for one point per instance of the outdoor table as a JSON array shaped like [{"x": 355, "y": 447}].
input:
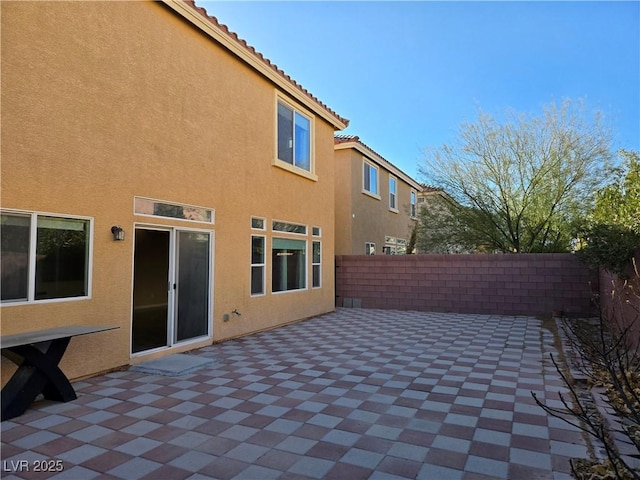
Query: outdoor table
[{"x": 37, "y": 355}]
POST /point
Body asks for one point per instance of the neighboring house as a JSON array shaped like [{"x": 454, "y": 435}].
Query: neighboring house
[
  {"x": 158, "y": 175},
  {"x": 431, "y": 195},
  {"x": 376, "y": 203},
  {"x": 435, "y": 222}
]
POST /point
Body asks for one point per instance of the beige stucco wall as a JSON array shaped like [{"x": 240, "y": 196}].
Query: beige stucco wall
[
  {"x": 368, "y": 219},
  {"x": 344, "y": 188},
  {"x": 104, "y": 101}
]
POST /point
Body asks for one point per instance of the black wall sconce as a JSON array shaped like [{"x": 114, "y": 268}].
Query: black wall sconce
[{"x": 118, "y": 233}]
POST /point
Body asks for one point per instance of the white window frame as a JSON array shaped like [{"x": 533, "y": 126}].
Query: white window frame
[
  {"x": 263, "y": 265},
  {"x": 291, "y": 167},
  {"x": 401, "y": 246},
  {"x": 264, "y": 223},
  {"x": 316, "y": 264},
  {"x": 393, "y": 194},
  {"x": 33, "y": 232},
  {"x": 305, "y": 263},
  {"x": 413, "y": 212},
  {"x": 211, "y": 211},
  {"x": 173, "y": 232},
  {"x": 367, "y": 167},
  {"x": 389, "y": 245},
  {"x": 292, "y": 224},
  {"x": 369, "y": 248}
]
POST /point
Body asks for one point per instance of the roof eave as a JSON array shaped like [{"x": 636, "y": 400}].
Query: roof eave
[
  {"x": 252, "y": 60},
  {"x": 386, "y": 164}
]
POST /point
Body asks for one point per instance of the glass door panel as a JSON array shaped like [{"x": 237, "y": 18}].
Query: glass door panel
[
  {"x": 150, "y": 296},
  {"x": 192, "y": 284}
]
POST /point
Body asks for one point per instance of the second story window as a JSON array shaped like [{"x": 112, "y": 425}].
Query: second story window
[
  {"x": 393, "y": 194},
  {"x": 370, "y": 179},
  {"x": 414, "y": 213},
  {"x": 294, "y": 137}
]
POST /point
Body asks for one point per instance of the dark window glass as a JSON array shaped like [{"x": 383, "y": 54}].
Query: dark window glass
[
  {"x": 285, "y": 133},
  {"x": 316, "y": 261},
  {"x": 288, "y": 265},
  {"x": 257, "y": 265},
  {"x": 62, "y": 249},
  {"x": 14, "y": 256}
]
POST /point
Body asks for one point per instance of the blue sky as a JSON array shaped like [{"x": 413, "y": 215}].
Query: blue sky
[{"x": 407, "y": 74}]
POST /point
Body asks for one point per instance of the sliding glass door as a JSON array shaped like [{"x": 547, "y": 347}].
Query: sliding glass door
[
  {"x": 171, "y": 287},
  {"x": 192, "y": 285}
]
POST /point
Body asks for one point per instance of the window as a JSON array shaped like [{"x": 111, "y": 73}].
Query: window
[
  {"x": 257, "y": 223},
  {"x": 156, "y": 208},
  {"x": 413, "y": 212},
  {"x": 316, "y": 262},
  {"x": 294, "y": 137},
  {"x": 316, "y": 232},
  {"x": 43, "y": 257},
  {"x": 393, "y": 193},
  {"x": 288, "y": 264},
  {"x": 369, "y": 248},
  {"x": 257, "y": 264},
  {"x": 394, "y": 246},
  {"x": 289, "y": 227},
  {"x": 401, "y": 248},
  {"x": 370, "y": 179}
]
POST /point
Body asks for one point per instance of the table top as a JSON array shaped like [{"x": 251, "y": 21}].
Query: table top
[{"x": 7, "y": 341}]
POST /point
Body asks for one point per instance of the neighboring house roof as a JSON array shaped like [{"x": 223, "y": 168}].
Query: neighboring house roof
[
  {"x": 431, "y": 191},
  {"x": 353, "y": 141},
  {"x": 431, "y": 188},
  {"x": 221, "y": 34}
]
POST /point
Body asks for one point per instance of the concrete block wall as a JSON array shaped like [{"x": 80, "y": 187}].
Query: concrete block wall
[
  {"x": 620, "y": 299},
  {"x": 509, "y": 284}
]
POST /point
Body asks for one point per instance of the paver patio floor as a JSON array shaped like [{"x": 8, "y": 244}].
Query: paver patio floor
[{"x": 351, "y": 394}]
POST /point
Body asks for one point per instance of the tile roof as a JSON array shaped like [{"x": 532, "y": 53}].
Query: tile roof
[
  {"x": 250, "y": 49},
  {"x": 344, "y": 139},
  {"x": 431, "y": 188}
]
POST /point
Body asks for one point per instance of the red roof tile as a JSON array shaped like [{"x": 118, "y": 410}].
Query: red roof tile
[
  {"x": 234, "y": 36},
  {"x": 431, "y": 188},
  {"x": 341, "y": 139}
]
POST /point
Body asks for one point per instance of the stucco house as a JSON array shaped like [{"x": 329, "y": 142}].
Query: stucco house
[
  {"x": 434, "y": 202},
  {"x": 185, "y": 183},
  {"x": 376, "y": 202}
]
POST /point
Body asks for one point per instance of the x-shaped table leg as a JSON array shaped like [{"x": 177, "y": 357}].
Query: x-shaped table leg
[{"x": 38, "y": 372}]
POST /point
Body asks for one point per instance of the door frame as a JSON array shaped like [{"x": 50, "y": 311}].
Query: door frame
[{"x": 171, "y": 292}]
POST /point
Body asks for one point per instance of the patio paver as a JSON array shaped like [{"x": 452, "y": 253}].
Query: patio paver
[{"x": 351, "y": 394}]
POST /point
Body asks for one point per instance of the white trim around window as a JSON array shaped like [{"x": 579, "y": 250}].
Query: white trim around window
[
  {"x": 258, "y": 265},
  {"x": 151, "y": 207},
  {"x": 294, "y": 138},
  {"x": 30, "y": 240},
  {"x": 288, "y": 264},
  {"x": 370, "y": 179},
  {"x": 369, "y": 248},
  {"x": 413, "y": 209},
  {"x": 393, "y": 194},
  {"x": 258, "y": 223},
  {"x": 288, "y": 227},
  {"x": 316, "y": 264}
]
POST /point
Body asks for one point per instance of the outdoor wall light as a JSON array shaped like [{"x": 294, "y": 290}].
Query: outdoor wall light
[{"x": 118, "y": 233}]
